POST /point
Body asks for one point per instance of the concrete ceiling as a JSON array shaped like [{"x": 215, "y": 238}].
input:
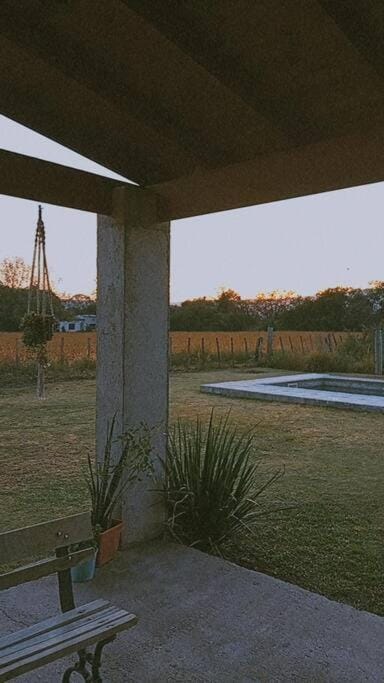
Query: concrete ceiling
[{"x": 214, "y": 105}]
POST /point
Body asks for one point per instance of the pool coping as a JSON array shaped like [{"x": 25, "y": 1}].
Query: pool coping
[{"x": 267, "y": 389}]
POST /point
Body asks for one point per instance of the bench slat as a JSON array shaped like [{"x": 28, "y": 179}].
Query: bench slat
[
  {"x": 44, "y": 538},
  {"x": 38, "y": 570},
  {"x": 47, "y": 636},
  {"x": 77, "y": 642},
  {"x": 52, "y": 622},
  {"x": 59, "y": 637}
]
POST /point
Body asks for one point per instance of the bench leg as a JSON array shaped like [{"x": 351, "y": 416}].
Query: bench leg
[
  {"x": 79, "y": 668},
  {"x": 96, "y": 659},
  {"x": 85, "y": 659}
]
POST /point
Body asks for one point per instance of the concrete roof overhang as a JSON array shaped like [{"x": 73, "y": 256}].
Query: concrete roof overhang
[{"x": 212, "y": 105}]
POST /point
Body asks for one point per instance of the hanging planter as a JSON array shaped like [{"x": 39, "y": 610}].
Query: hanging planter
[{"x": 38, "y": 324}]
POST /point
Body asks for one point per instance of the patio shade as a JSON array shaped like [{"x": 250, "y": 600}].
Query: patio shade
[{"x": 214, "y": 105}]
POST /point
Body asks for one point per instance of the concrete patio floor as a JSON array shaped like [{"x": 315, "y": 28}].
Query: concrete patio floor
[{"x": 204, "y": 619}]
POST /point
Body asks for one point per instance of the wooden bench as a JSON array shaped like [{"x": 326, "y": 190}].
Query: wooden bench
[{"x": 77, "y": 628}]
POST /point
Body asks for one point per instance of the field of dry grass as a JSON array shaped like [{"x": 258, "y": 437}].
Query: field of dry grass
[
  {"x": 329, "y": 537},
  {"x": 76, "y": 346},
  {"x": 63, "y": 347}
]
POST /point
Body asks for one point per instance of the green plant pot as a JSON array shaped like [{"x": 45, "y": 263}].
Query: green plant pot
[{"x": 84, "y": 571}]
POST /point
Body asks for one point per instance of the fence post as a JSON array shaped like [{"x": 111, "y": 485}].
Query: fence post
[
  {"x": 269, "y": 341},
  {"x": 62, "y": 358},
  {"x": 258, "y": 351},
  {"x": 246, "y": 347},
  {"x": 218, "y": 352},
  {"x": 232, "y": 357},
  {"x": 189, "y": 351},
  {"x": 202, "y": 351},
  {"x": 88, "y": 348},
  {"x": 17, "y": 357},
  {"x": 378, "y": 351}
]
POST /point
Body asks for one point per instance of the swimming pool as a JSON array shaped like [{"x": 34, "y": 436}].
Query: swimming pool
[{"x": 312, "y": 388}]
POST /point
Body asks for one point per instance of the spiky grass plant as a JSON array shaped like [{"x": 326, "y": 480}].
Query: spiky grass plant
[
  {"x": 126, "y": 458},
  {"x": 212, "y": 483}
]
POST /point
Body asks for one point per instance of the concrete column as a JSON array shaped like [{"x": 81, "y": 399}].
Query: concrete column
[{"x": 132, "y": 330}]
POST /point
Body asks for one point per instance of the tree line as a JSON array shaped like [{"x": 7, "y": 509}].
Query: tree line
[{"x": 337, "y": 309}]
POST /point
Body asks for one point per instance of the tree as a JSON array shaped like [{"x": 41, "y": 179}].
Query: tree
[
  {"x": 13, "y": 307},
  {"x": 15, "y": 273},
  {"x": 226, "y": 298},
  {"x": 337, "y": 308},
  {"x": 195, "y": 314},
  {"x": 375, "y": 295},
  {"x": 78, "y": 304},
  {"x": 233, "y": 311},
  {"x": 268, "y": 307}
]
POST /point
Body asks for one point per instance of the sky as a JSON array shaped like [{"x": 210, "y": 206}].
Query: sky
[{"x": 304, "y": 244}]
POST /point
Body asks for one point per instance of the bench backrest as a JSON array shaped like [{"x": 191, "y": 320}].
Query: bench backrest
[
  {"x": 56, "y": 536},
  {"x": 40, "y": 539}
]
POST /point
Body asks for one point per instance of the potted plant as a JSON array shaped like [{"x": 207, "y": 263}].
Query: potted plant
[{"x": 126, "y": 458}]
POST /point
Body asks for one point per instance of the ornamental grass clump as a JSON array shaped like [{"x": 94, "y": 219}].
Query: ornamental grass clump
[{"x": 212, "y": 484}]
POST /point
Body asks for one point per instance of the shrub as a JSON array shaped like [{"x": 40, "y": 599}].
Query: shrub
[
  {"x": 352, "y": 355},
  {"x": 212, "y": 484}
]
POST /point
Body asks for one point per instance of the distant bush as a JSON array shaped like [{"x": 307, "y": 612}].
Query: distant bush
[{"x": 354, "y": 355}]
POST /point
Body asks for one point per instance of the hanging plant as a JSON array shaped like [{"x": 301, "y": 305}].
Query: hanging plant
[
  {"x": 37, "y": 330},
  {"x": 38, "y": 325}
]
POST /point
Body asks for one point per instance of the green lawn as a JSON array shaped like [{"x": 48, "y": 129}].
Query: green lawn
[{"x": 328, "y": 539}]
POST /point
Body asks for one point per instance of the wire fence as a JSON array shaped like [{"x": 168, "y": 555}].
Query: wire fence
[{"x": 187, "y": 347}]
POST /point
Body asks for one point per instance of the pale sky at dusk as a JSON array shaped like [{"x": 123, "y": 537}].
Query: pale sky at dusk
[{"x": 303, "y": 244}]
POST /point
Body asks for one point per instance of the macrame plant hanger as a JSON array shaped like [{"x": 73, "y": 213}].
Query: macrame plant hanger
[{"x": 39, "y": 322}]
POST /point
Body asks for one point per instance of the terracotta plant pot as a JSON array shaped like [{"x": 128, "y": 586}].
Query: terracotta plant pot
[{"x": 109, "y": 542}]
